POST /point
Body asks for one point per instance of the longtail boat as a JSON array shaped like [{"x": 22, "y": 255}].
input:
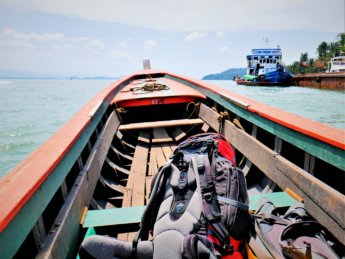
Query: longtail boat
[{"x": 93, "y": 176}]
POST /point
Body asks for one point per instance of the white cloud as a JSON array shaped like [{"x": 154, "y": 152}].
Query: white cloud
[
  {"x": 120, "y": 54},
  {"x": 220, "y": 34},
  {"x": 124, "y": 43},
  {"x": 15, "y": 43},
  {"x": 200, "y": 15},
  {"x": 95, "y": 44},
  {"x": 195, "y": 35},
  {"x": 10, "y": 33},
  {"x": 224, "y": 49},
  {"x": 149, "y": 44},
  {"x": 79, "y": 39},
  {"x": 11, "y": 37},
  {"x": 44, "y": 55},
  {"x": 60, "y": 47}
]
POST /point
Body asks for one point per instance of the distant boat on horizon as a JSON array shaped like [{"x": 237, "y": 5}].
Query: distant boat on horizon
[{"x": 265, "y": 68}]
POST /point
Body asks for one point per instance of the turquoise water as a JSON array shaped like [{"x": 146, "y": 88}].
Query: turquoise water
[
  {"x": 33, "y": 110},
  {"x": 325, "y": 106}
]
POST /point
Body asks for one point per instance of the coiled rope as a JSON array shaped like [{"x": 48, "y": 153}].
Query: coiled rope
[{"x": 150, "y": 85}]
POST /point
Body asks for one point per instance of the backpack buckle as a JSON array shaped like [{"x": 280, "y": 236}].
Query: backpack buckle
[
  {"x": 207, "y": 196},
  {"x": 228, "y": 249},
  {"x": 201, "y": 167},
  {"x": 217, "y": 215}
]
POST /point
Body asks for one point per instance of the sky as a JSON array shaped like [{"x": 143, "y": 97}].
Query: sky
[{"x": 192, "y": 38}]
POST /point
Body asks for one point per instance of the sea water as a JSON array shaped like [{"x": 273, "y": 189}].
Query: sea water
[{"x": 31, "y": 111}]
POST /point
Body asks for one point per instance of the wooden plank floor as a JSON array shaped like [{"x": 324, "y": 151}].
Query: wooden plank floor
[
  {"x": 148, "y": 157},
  {"x": 134, "y": 194}
]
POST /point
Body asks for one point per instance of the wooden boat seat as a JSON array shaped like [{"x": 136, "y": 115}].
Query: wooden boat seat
[
  {"x": 132, "y": 215},
  {"x": 160, "y": 124},
  {"x": 128, "y": 216}
]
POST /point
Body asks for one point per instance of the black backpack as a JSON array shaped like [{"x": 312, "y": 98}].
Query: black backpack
[
  {"x": 294, "y": 234},
  {"x": 198, "y": 206}
]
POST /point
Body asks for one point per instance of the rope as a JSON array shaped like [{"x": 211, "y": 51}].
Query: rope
[
  {"x": 223, "y": 116},
  {"x": 195, "y": 110},
  {"x": 150, "y": 85},
  {"x": 238, "y": 124},
  {"x": 120, "y": 110}
]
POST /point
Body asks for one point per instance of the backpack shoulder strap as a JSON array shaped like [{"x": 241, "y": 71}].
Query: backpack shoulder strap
[
  {"x": 210, "y": 205},
  {"x": 151, "y": 206}
]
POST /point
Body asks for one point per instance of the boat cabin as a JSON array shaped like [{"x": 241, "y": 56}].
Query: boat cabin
[
  {"x": 263, "y": 61},
  {"x": 337, "y": 64}
]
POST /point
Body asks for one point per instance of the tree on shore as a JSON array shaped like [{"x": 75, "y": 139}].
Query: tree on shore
[
  {"x": 322, "y": 50},
  {"x": 325, "y": 51}
]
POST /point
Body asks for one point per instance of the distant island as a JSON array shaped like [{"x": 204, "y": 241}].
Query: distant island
[{"x": 226, "y": 75}]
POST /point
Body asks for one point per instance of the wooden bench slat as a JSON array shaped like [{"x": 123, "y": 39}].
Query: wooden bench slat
[
  {"x": 209, "y": 116},
  {"x": 279, "y": 199},
  {"x": 117, "y": 216},
  {"x": 160, "y": 124},
  {"x": 129, "y": 215}
]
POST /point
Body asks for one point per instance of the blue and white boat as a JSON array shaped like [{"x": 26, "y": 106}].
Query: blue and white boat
[{"x": 264, "y": 67}]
